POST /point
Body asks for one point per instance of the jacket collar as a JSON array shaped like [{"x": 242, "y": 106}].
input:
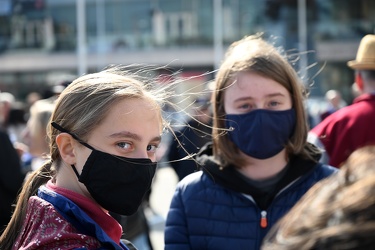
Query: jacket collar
[
  {"x": 365, "y": 97},
  {"x": 231, "y": 179}
]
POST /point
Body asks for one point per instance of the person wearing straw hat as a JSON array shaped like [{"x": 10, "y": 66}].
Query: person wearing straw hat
[{"x": 351, "y": 127}]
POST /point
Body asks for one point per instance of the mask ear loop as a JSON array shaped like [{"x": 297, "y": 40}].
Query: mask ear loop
[
  {"x": 75, "y": 171},
  {"x": 61, "y": 129}
]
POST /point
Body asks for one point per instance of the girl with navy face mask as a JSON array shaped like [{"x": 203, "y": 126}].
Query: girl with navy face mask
[
  {"x": 259, "y": 163},
  {"x": 103, "y": 136}
]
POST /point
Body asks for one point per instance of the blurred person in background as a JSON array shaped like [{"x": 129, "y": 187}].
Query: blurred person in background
[
  {"x": 190, "y": 139},
  {"x": 16, "y": 122},
  {"x": 32, "y": 97},
  {"x": 337, "y": 213},
  {"x": 11, "y": 178},
  {"x": 12, "y": 116},
  {"x": 6, "y": 101},
  {"x": 136, "y": 227},
  {"x": 35, "y": 134},
  {"x": 335, "y": 102},
  {"x": 351, "y": 127},
  {"x": 259, "y": 164}
]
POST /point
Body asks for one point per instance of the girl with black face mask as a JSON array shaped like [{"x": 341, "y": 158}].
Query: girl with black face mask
[
  {"x": 103, "y": 136},
  {"x": 259, "y": 164}
]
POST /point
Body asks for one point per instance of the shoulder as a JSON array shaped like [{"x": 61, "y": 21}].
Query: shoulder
[
  {"x": 41, "y": 212},
  {"x": 199, "y": 190},
  {"x": 301, "y": 185},
  {"x": 352, "y": 112},
  {"x": 199, "y": 186},
  {"x": 194, "y": 182},
  {"x": 45, "y": 228},
  {"x": 37, "y": 206},
  {"x": 320, "y": 172},
  {"x": 325, "y": 170}
]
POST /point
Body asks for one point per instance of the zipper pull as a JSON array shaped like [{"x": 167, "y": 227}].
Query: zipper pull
[{"x": 263, "y": 219}]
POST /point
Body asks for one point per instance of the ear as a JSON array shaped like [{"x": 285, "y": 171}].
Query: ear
[
  {"x": 65, "y": 144},
  {"x": 359, "y": 81}
]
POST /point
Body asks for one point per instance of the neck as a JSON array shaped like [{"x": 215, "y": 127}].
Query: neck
[
  {"x": 257, "y": 169},
  {"x": 66, "y": 178}
]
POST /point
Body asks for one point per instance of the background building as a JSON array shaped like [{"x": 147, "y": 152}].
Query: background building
[{"x": 41, "y": 40}]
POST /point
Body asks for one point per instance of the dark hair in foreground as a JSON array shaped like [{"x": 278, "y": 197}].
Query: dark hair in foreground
[{"x": 337, "y": 213}]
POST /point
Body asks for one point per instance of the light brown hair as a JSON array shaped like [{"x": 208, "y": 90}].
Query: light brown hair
[
  {"x": 254, "y": 54},
  {"x": 80, "y": 108}
]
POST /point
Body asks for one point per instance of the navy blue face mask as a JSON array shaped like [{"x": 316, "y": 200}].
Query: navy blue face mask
[
  {"x": 261, "y": 133},
  {"x": 116, "y": 183}
]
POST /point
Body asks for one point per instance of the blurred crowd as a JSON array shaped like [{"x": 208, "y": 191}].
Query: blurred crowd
[{"x": 226, "y": 177}]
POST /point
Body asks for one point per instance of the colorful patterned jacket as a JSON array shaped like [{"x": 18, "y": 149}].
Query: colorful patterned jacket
[{"x": 55, "y": 222}]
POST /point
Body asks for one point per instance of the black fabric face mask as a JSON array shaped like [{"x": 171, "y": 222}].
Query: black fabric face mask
[{"x": 116, "y": 183}]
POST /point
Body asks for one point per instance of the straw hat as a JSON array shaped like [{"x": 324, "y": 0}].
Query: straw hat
[{"x": 366, "y": 54}]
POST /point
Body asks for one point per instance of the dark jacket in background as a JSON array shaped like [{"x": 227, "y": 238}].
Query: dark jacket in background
[
  {"x": 11, "y": 178},
  {"x": 192, "y": 137}
]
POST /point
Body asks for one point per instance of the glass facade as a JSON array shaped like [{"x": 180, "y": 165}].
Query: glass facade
[{"x": 44, "y": 33}]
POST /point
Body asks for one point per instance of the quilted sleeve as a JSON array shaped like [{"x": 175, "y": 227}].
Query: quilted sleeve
[{"x": 176, "y": 233}]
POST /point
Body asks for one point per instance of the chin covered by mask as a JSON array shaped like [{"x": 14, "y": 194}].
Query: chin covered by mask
[
  {"x": 116, "y": 183},
  {"x": 261, "y": 133}
]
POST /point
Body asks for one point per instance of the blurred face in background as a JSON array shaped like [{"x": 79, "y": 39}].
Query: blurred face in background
[
  {"x": 35, "y": 134},
  {"x": 35, "y": 137}
]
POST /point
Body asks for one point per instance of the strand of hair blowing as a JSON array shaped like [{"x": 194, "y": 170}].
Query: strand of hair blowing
[{"x": 30, "y": 187}]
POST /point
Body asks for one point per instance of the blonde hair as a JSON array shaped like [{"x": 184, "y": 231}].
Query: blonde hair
[
  {"x": 254, "y": 54},
  {"x": 80, "y": 108},
  {"x": 40, "y": 114}
]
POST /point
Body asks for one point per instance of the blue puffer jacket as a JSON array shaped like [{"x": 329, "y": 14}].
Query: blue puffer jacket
[{"x": 204, "y": 214}]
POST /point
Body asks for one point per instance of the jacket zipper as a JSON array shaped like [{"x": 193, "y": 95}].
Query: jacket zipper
[
  {"x": 263, "y": 214},
  {"x": 263, "y": 219}
]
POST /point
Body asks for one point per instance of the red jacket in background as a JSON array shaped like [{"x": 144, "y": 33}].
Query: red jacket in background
[{"x": 347, "y": 129}]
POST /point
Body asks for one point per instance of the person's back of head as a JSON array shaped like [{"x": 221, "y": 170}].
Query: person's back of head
[
  {"x": 6, "y": 101},
  {"x": 334, "y": 98},
  {"x": 35, "y": 133},
  {"x": 7, "y": 97},
  {"x": 337, "y": 213}
]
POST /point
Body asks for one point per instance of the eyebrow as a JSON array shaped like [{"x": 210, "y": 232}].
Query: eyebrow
[
  {"x": 250, "y": 97},
  {"x": 127, "y": 134},
  {"x": 275, "y": 94}
]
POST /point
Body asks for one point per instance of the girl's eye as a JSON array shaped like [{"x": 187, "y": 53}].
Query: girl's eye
[
  {"x": 274, "y": 104},
  {"x": 245, "y": 106},
  {"x": 124, "y": 145},
  {"x": 152, "y": 148}
]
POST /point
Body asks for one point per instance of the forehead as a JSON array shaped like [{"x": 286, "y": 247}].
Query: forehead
[
  {"x": 253, "y": 84},
  {"x": 133, "y": 106},
  {"x": 138, "y": 114}
]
